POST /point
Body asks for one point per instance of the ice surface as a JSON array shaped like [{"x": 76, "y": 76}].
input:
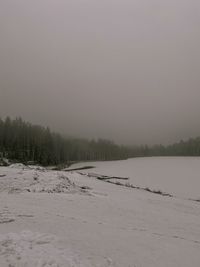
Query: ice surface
[{"x": 179, "y": 176}]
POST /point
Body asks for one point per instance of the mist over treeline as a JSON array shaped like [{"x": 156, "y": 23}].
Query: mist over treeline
[
  {"x": 24, "y": 142},
  {"x": 20, "y": 140}
]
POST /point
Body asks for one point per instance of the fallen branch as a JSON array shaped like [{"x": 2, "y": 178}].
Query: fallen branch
[
  {"x": 81, "y": 168},
  {"x": 104, "y": 177},
  {"x": 108, "y": 179}
]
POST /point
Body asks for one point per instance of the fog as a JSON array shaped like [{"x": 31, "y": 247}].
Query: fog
[{"x": 126, "y": 70}]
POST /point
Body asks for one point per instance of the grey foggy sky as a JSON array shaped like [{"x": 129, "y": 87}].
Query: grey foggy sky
[{"x": 127, "y": 70}]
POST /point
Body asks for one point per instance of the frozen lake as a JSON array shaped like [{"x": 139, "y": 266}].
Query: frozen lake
[{"x": 179, "y": 176}]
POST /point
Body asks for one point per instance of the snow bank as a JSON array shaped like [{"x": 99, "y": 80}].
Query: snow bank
[
  {"x": 20, "y": 178},
  {"x": 19, "y": 166}
]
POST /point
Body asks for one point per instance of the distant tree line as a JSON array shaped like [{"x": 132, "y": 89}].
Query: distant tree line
[{"x": 24, "y": 142}]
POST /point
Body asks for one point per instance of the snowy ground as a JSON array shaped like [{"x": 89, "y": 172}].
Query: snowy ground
[
  {"x": 61, "y": 219},
  {"x": 179, "y": 176}
]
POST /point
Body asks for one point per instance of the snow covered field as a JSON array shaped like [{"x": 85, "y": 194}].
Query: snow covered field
[
  {"x": 179, "y": 176},
  {"x": 61, "y": 219}
]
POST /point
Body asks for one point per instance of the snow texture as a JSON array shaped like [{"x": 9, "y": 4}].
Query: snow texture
[
  {"x": 174, "y": 175},
  {"x": 64, "y": 219},
  {"x": 20, "y": 178},
  {"x": 34, "y": 250}
]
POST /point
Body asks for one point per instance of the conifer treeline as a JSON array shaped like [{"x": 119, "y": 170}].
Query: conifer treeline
[
  {"x": 22, "y": 141},
  {"x": 25, "y": 142}
]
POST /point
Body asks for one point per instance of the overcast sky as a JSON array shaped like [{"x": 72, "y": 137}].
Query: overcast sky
[{"x": 127, "y": 70}]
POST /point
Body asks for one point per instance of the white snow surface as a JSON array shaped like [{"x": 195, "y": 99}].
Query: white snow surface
[
  {"x": 64, "y": 219},
  {"x": 21, "y": 178},
  {"x": 34, "y": 249},
  {"x": 179, "y": 176}
]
